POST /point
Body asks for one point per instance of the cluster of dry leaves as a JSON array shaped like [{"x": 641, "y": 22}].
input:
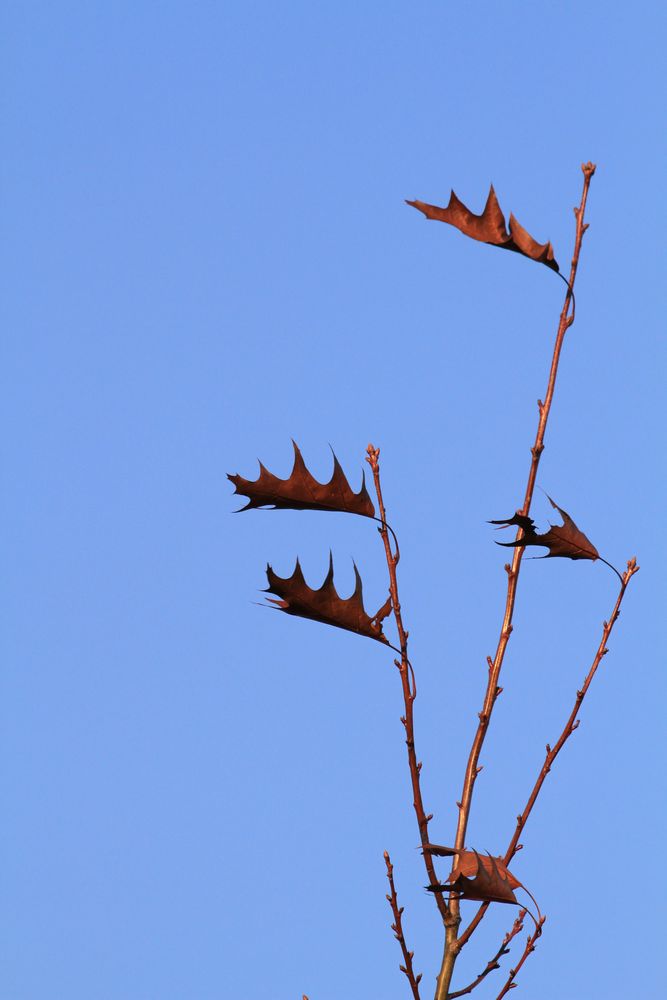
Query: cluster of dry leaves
[{"x": 474, "y": 876}]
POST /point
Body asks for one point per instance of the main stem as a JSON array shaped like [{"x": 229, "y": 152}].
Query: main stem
[{"x": 566, "y": 319}]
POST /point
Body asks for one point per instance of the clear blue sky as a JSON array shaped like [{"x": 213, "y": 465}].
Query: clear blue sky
[{"x": 206, "y": 252}]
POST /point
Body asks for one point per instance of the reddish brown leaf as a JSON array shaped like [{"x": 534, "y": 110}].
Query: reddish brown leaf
[
  {"x": 474, "y": 876},
  {"x": 303, "y": 492},
  {"x": 489, "y": 227},
  {"x": 324, "y": 605},
  {"x": 562, "y": 539}
]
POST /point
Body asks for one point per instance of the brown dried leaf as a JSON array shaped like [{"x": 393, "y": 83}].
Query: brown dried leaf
[
  {"x": 489, "y": 227},
  {"x": 562, "y": 539},
  {"x": 303, "y": 492},
  {"x": 474, "y": 876},
  {"x": 324, "y": 605}
]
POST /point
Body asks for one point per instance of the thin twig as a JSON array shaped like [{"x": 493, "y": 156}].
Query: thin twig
[
  {"x": 552, "y": 752},
  {"x": 572, "y": 722},
  {"x": 409, "y": 689},
  {"x": 493, "y": 963},
  {"x": 397, "y": 928},
  {"x": 452, "y": 946},
  {"x": 528, "y": 950}
]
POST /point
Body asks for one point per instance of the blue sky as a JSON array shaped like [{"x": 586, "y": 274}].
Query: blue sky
[{"x": 207, "y": 253}]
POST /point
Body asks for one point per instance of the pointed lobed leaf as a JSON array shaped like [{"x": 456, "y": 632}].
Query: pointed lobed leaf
[
  {"x": 489, "y": 227},
  {"x": 520, "y": 520},
  {"x": 303, "y": 492},
  {"x": 522, "y": 242},
  {"x": 324, "y": 604},
  {"x": 473, "y": 876},
  {"x": 564, "y": 539}
]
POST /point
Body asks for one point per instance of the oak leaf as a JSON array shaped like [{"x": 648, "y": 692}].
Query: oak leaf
[
  {"x": 474, "y": 876},
  {"x": 489, "y": 227},
  {"x": 561, "y": 539},
  {"x": 324, "y": 604},
  {"x": 303, "y": 492}
]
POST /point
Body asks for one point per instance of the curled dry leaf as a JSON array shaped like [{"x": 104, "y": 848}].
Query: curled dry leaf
[
  {"x": 303, "y": 492},
  {"x": 489, "y": 227},
  {"x": 324, "y": 605},
  {"x": 562, "y": 539},
  {"x": 474, "y": 876}
]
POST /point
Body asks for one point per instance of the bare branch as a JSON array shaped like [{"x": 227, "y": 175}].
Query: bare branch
[
  {"x": 552, "y": 752},
  {"x": 397, "y": 928},
  {"x": 528, "y": 950},
  {"x": 493, "y": 963},
  {"x": 572, "y": 722},
  {"x": 408, "y": 685}
]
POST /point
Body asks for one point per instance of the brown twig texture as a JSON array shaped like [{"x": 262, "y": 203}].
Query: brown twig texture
[
  {"x": 407, "y": 678},
  {"x": 397, "y": 928},
  {"x": 573, "y": 721},
  {"x": 552, "y": 752},
  {"x": 493, "y": 963},
  {"x": 527, "y": 951}
]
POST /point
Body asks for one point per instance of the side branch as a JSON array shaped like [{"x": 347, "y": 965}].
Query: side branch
[
  {"x": 573, "y": 721},
  {"x": 552, "y": 752},
  {"x": 493, "y": 963},
  {"x": 528, "y": 950},
  {"x": 397, "y": 928},
  {"x": 409, "y": 690}
]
